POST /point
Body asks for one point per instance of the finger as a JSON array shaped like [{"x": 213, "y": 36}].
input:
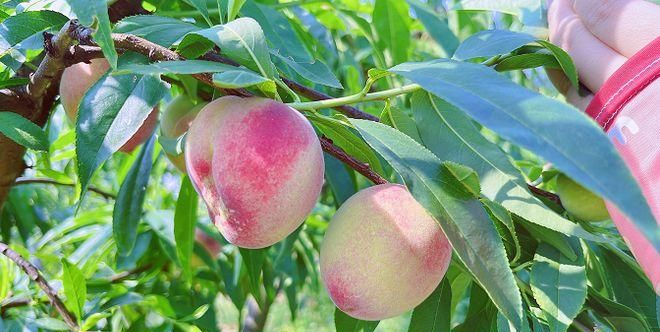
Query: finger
[
  {"x": 595, "y": 61},
  {"x": 624, "y": 25}
]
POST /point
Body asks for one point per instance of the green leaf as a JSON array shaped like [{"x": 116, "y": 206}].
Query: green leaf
[
  {"x": 630, "y": 288},
  {"x": 466, "y": 176},
  {"x": 75, "y": 288},
  {"x": 436, "y": 26},
  {"x": 541, "y": 125},
  {"x": 241, "y": 40},
  {"x": 530, "y": 12},
  {"x": 14, "y": 81},
  {"x": 94, "y": 318},
  {"x": 451, "y": 135},
  {"x": 434, "y": 314},
  {"x": 175, "y": 67},
  {"x": 23, "y": 131},
  {"x": 254, "y": 261},
  {"x": 480, "y": 314},
  {"x": 201, "y": 6},
  {"x": 462, "y": 218},
  {"x": 16, "y": 29},
  {"x": 314, "y": 70},
  {"x": 343, "y": 136},
  {"x": 87, "y": 13},
  {"x": 504, "y": 325},
  {"x": 110, "y": 113},
  {"x": 559, "y": 285},
  {"x": 396, "y": 118},
  {"x": 506, "y": 228},
  {"x": 130, "y": 199},
  {"x": 185, "y": 219},
  {"x": 197, "y": 314},
  {"x": 346, "y": 323},
  {"x": 235, "y": 79},
  {"x": 526, "y": 61},
  {"x": 565, "y": 61},
  {"x": 391, "y": 21},
  {"x": 490, "y": 43},
  {"x": 164, "y": 31},
  {"x": 278, "y": 31},
  {"x": 51, "y": 324},
  {"x": 233, "y": 7},
  {"x": 620, "y": 316}
]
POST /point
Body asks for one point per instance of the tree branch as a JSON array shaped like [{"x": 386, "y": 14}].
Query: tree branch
[
  {"x": 105, "y": 194},
  {"x": 14, "y": 304},
  {"x": 35, "y": 276},
  {"x": 360, "y": 167},
  {"x": 158, "y": 53}
]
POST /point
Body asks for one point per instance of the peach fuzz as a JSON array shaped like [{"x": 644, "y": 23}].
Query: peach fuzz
[
  {"x": 257, "y": 164},
  {"x": 79, "y": 78},
  {"x": 176, "y": 120},
  {"x": 382, "y": 254}
]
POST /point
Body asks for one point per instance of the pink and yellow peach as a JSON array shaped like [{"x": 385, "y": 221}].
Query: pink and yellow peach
[
  {"x": 79, "y": 78},
  {"x": 382, "y": 254},
  {"x": 257, "y": 164}
]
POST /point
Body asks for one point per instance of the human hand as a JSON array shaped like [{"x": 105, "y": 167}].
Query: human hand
[{"x": 600, "y": 36}]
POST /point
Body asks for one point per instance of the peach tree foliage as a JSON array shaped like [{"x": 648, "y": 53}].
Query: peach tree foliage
[{"x": 468, "y": 123}]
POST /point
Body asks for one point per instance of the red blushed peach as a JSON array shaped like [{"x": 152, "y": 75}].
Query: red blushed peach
[
  {"x": 175, "y": 121},
  {"x": 257, "y": 164},
  {"x": 77, "y": 79},
  {"x": 382, "y": 254}
]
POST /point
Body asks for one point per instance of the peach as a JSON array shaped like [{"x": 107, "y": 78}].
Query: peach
[
  {"x": 579, "y": 201},
  {"x": 382, "y": 254},
  {"x": 175, "y": 121},
  {"x": 77, "y": 79},
  {"x": 257, "y": 164}
]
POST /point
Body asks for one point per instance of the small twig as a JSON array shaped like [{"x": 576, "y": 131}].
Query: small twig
[
  {"x": 314, "y": 95},
  {"x": 14, "y": 304},
  {"x": 121, "y": 276},
  {"x": 105, "y": 194},
  {"x": 545, "y": 194},
  {"x": 35, "y": 276},
  {"x": 360, "y": 167}
]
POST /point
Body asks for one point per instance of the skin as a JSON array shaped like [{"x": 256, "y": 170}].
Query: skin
[
  {"x": 579, "y": 201},
  {"x": 258, "y": 165},
  {"x": 175, "y": 121},
  {"x": 382, "y": 254},
  {"x": 77, "y": 79}
]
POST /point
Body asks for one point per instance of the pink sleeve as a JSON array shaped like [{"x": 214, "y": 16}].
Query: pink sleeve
[{"x": 628, "y": 108}]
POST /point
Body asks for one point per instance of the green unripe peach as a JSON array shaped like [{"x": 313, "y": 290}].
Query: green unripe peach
[
  {"x": 258, "y": 165},
  {"x": 79, "y": 78},
  {"x": 382, "y": 254},
  {"x": 579, "y": 201},
  {"x": 175, "y": 121}
]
